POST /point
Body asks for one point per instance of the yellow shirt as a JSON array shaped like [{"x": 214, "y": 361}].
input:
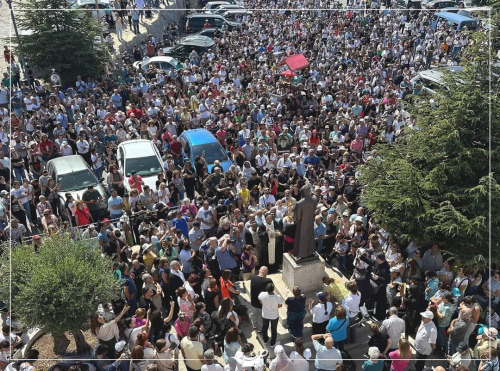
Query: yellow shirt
[
  {"x": 245, "y": 196},
  {"x": 148, "y": 259},
  {"x": 337, "y": 291}
]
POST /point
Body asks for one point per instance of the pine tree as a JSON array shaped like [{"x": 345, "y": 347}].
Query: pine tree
[
  {"x": 435, "y": 184},
  {"x": 61, "y": 38}
]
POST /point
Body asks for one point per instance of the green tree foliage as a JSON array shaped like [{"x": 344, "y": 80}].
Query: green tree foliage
[
  {"x": 435, "y": 184},
  {"x": 62, "y": 39},
  {"x": 60, "y": 287}
]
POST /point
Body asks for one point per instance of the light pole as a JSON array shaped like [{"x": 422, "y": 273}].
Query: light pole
[{"x": 21, "y": 54}]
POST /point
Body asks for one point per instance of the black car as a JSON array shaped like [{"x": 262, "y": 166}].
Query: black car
[
  {"x": 196, "y": 22},
  {"x": 200, "y": 44}
]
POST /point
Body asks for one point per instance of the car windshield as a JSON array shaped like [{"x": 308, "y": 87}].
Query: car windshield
[
  {"x": 211, "y": 152},
  {"x": 76, "y": 181},
  {"x": 144, "y": 166}
]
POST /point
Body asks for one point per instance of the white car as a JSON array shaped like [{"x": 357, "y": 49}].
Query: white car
[
  {"x": 141, "y": 156},
  {"x": 163, "y": 63},
  {"x": 90, "y": 4},
  {"x": 431, "y": 81}
]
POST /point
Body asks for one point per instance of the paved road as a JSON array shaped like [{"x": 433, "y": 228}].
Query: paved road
[{"x": 4, "y": 30}]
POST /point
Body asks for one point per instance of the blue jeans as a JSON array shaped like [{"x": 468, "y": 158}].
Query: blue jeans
[
  {"x": 19, "y": 174},
  {"x": 181, "y": 195},
  {"x": 295, "y": 323},
  {"x": 98, "y": 173},
  {"x": 440, "y": 341},
  {"x": 179, "y": 161},
  {"x": 26, "y": 206},
  {"x": 136, "y": 25}
]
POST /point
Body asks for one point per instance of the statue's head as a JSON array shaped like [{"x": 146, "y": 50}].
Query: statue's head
[{"x": 305, "y": 191}]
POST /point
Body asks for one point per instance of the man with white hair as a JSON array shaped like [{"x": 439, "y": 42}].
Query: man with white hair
[{"x": 373, "y": 364}]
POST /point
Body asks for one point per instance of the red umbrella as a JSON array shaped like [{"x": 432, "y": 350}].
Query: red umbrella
[{"x": 288, "y": 74}]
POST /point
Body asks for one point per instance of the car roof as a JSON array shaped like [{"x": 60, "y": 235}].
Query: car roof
[
  {"x": 137, "y": 148},
  {"x": 205, "y": 15},
  {"x": 238, "y": 11},
  {"x": 199, "y": 136},
  {"x": 163, "y": 58},
  {"x": 198, "y": 40},
  {"x": 218, "y": 2},
  {"x": 69, "y": 164},
  {"x": 437, "y": 74},
  {"x": 455, "y": 17}
]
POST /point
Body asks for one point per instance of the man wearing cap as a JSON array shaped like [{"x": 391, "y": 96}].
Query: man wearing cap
[
  {"x": 92, "y": 198},
  {"x": 425, "y": 339},
  {"x": 461, "y": 357}
]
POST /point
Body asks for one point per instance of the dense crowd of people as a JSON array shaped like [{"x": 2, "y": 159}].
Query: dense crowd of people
[{"x": 179, "y": 249}]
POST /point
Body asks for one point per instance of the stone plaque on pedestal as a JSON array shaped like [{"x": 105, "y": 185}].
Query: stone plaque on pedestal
[{"x": 306, "y": 275}]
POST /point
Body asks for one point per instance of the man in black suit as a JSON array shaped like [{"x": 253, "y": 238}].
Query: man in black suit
[
  {"x": 258, "y": 284},
  {"x": 381, "y": 276}
]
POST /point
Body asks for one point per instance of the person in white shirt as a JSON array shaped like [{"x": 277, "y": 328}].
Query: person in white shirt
[
  {"x": 271, "y": 302},
  {"x": 266, "y": 199},
  {"x": 425, "y": 339},
  {"x": 394, "y": 327},
  {"x": 300, "y": 356},
  {"x": 351, "y": 305},
  {"x": 210, "y": 364}
]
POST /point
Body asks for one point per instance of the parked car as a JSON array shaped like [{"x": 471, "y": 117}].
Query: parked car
[
  {"x": 431, "y": 81},
  {"x": 74, "y": 175},
  {"x": 141, "y": 156},
  {"x": 201, "y": 142},
  {"x": 195, "y": 22},
  {"x": 200, "y": 44},
  {"x": 236, "y": 15},
  {"x": 451, "y": 19},
  {"x": 104, "y": 5},
  {"x": 211, "y": 5},
  {"x": 208, "y": 32},
  {"x": 438, "y": 4},
  {"x": 409, "y": 4},
  {"x": 224, "y": 8},
  {"x": 164, "y": 63}
]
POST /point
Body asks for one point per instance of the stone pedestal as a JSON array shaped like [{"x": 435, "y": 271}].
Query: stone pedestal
[{"x": 306, "y": 275}]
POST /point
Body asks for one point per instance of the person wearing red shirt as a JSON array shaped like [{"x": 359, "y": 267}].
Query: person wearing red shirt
[
  {"x": 82, "y": 213},
  {"x": 136, "y": 111},
  {"x": 221, "y": 135},
  {"x": 176, "y": 151},
  {"x": 46, "y": 147},
  {"x": 135, "y": 181}
]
